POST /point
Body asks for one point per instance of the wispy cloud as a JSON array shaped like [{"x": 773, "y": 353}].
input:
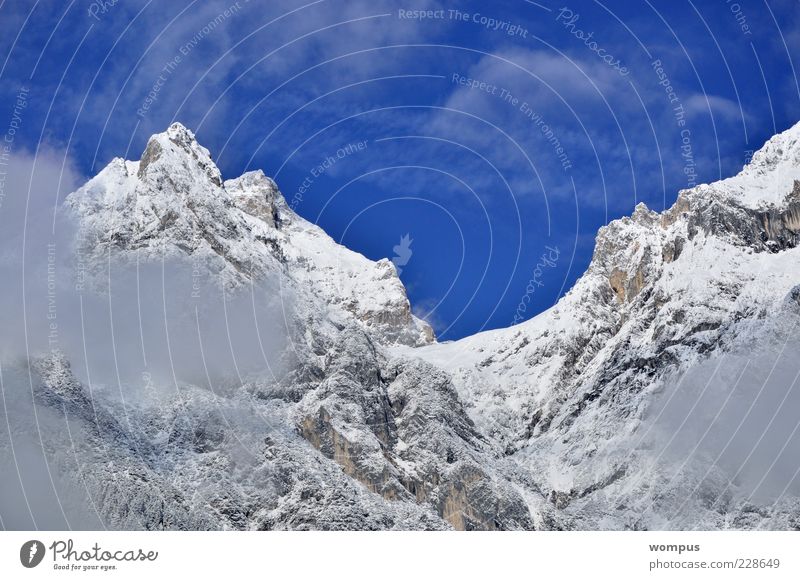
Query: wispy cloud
[{"x": 720, "y": 107}]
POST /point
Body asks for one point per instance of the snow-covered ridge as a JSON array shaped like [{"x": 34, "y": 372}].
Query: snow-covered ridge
[
  {"x": 771, "y": 174},
  {"x": 173, "y": 203},
  {"x": 550, "y": 424},
  {"x": 565, "y": 391}
]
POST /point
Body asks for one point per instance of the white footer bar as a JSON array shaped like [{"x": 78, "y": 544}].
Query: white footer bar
[{"x": 389, "y": 555}]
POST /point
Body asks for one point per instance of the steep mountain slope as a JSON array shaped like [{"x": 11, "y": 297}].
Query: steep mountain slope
[
  {"x": 567, "y": 392},
  {"x": 607, "y": 411},
  {"x": 173, "y": 204},
  {"x": 339, "y": 438}
]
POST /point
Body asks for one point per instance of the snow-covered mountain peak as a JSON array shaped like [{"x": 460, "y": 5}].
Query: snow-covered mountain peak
[
  {"x": 661, "y": 293},
  {"x": 770, "y": 178},
  {"x": 552, "y": 424},
  {"x": 252, "y": 182},
  {"x": 780, "y": 151},
  {"x": 173, "y": 203},
  {"x": 643, "y": 215},
  {"x": 257, "y": 195},
  {"x": 177, "y": 149}
]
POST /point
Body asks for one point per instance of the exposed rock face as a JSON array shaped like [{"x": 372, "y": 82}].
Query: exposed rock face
[
  {"x": 257, "y": 195},
  {"x": 551, "y": 424},
  {"x": 172, "y": 204},
  {"x": 399, "y": 428},
  {"x": 566, "y": 392}
]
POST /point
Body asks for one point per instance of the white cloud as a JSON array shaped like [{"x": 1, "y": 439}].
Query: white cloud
[
  {"x": 31, "y": 188},
  {"x": 700, "y": 104}
]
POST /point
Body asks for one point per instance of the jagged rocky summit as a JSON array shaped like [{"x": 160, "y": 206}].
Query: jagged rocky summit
[{"x": 561, "y": 422}]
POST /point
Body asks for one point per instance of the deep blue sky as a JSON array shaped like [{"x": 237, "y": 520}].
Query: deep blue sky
[{"x": 467, "y": 173}]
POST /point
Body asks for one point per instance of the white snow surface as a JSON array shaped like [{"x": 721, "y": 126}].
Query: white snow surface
[
  {"x": 568, "y": 392},
  {"x": 173, "y": 203},
  {"x": 566, "y": 421},
  {"x": 770, "y": 174}
]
